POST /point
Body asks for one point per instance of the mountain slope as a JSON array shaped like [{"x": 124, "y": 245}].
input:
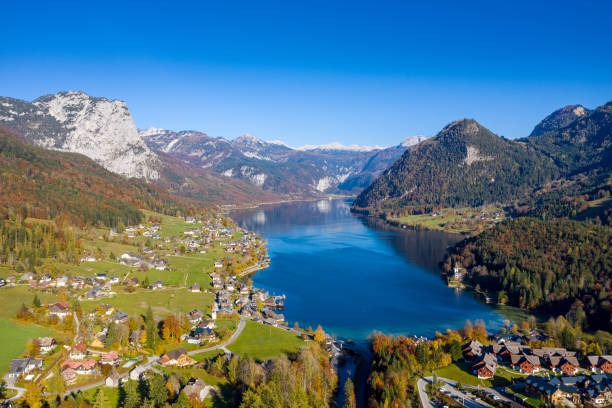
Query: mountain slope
[
  {"x": 584, "y": 143},
  {"x": 560, "y": 119},
  {"x": 45, "y": 184},
  {"x": 274, "y": 166},
  {"x": 465, "y": 164},
  {"x": 73, "y": 121}
]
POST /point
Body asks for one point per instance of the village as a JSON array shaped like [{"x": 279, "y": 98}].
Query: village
[{"x": 105, "y": 342}]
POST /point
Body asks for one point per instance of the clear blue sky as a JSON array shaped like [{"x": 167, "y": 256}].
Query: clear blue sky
[{"x": 315, "y": 71}]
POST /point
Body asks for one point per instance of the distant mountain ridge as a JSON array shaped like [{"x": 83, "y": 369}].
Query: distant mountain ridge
[{"x": 274, "y": 166}]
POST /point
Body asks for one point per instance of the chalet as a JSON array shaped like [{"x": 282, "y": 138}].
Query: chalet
[
  {"x": 22, "y": 366},
  {"x": 486, "y": 367},
  {"x": 112, "y": 380},
  {"x": 61, "y": 281},
  {"x": 207, "y": 324},
  {"x": 525, "y": 363},
  {"x": 472, "y": 351},
  {"x": 59, "y": 309},
  {"x": 244, "y": 290},
  {"x": 85, "y": 367},
  {"x": 195, "y": 288},
  {"x": 137, "y": 373},
  {"x": 46, "y": 344},
  {"x": 200, "y": 334},
  {"x": 78, "y": 352},
  {"x": 157, "y": 285},
  {"x": 120, "y": 317},
  {"x": 110, "y": 358},
  {"x": 566, "y": 365},
  {"x": 178, "y": 358},
  {"x": 196, "y": 389},
  {"x": 159, "y": 265},
  {"x": 107, "y": 309},
  {"x": 101, "y": 276},
  {"x": 195, "y": 316},
  {"x": 94, "y": 293},
  {"x": 600, "y": 364}
]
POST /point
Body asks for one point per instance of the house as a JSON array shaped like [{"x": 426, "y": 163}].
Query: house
[
  {"x": 78, "y": 352},
  {"x": 69, "y": 375},
  {"x": 61, "y": 281},
  {"x": 22, "y": 366},
  {"x": 200, "y": 334},
  {"x": 85, "y": 367},
  {"x": 94, "y": 293},
  {"x": 526, "y": 364},
  {"x": 600, "y": 364},
  {"x": 178, "y": 358},
  {"x": 219, "y": 264},
  {"x": 157, "y": 285},
  {"x": 472, "y": 351},
  {"x": 207, "y": 324},
  {"x": 137, "y": 372},
  {"x": 106, "y": 309},
  {"x": 46, "y": 344},
  {"x": 110, "y": 358},
  {"x": 486, "y": 367},
  {"x": 195, "y": 288},
  {"x": 112, "y": 380},
  {"x": 59, "y": 309},
  {"x": 196, "y": 388},
  {"x": 566, "y": 365},
  {"x": 120, "y": 317},
  {"x": 195, "y": 316}
]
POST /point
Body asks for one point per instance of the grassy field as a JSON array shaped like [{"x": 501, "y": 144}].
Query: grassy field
[
  {"x": 112, "y": 394},
  {"x": 163, "y": 302},
  {"x": 171, "y": 226},
  {"x": 196, "y": 267},
  {"x": 14, "y": 297},
  {"x": 14, "y": 338},
  {"x": 264, "y": 342},
  {"x": 457, "y": 220},
  {"x": 93, "y": 268},
  {"x": 462, "y": 372}
]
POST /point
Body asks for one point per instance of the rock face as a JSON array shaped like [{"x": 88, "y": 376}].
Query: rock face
[{"x": 76, "y": 122}]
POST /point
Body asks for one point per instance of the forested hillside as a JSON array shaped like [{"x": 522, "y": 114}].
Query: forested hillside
[
  {"x": 464, "y": 165},
  {"x": 46, "y": 184},
  {"x": 560, "y": 266}
]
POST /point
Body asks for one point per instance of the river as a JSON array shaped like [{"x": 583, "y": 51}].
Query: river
[{"x": 354, "y": 275}]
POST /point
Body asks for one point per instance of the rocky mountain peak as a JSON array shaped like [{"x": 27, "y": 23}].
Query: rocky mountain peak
[
  {"x": 560, "y": 118},
  {"x": 99, "y": 128}
]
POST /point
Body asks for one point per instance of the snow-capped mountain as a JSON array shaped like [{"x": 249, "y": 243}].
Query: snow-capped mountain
[
  {"x": 275, "y": 166},
  {"x": 76, "y": 122},
  {"x": 340, "y": 147}
]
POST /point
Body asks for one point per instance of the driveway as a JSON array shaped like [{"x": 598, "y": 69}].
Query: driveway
[{"x": 226, "y": 343}]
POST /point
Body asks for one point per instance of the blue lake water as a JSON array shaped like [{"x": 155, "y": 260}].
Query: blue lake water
[{"x": 353, "y": 276}]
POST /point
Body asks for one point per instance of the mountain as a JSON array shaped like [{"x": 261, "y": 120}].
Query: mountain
[
  {"x": 73, "y": 121},
  {"x": 274, "y": 166},
  {"x": 465, "y": 164},
  {"x": 560, "y": 119},
  {"x": 582, "y": 144},
  {"x": 45, "y": 184},
  {"x": 104, "y": 131}
]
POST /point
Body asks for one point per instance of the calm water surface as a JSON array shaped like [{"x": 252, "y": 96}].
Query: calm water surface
[{"x": 353, "y": 276}]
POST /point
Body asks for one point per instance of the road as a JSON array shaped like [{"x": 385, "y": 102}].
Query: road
[
  {"x": 226, "y": 343},
  {"x": 466, "y": 398},
  {"x": 76, "y": 319}
]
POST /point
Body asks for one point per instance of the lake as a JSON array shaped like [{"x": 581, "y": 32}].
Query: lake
[{"x": 354, "y": 275}]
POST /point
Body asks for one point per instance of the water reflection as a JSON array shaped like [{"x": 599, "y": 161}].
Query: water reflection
[{"x": 354, "y": 275}]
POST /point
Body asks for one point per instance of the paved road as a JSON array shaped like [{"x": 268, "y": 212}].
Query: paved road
[
  {"x": 224, "y": 344},
  {"x": 76, "y": 319},
  {"x": 462, "y": 397}
]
